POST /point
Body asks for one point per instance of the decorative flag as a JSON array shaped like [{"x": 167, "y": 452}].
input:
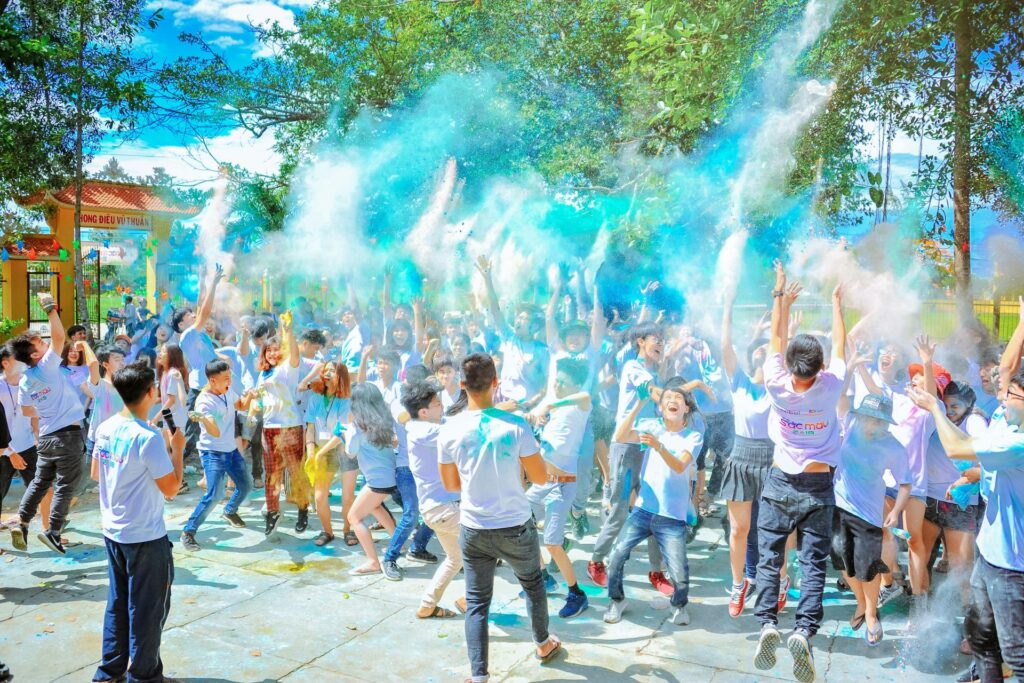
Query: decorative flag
[
  {"x": 63, "y": 253},
  {"x": 67, "y": 278},
  {"x": 32, "y": 254},
  {"x": 118, "y": 288},
  {"x": 76, "y": 244},
  {"x": 106, "y": 244},
  {"x": 4, "y": 255},
  {"x": 163, "y": 295},
  {"x": 21, "y": 245},
  {"x": 88, "y": 283},
  {"x": 55, "y": 245},
  {"x": 149, "y": 251},
  {"x": 154, "y": 241}
]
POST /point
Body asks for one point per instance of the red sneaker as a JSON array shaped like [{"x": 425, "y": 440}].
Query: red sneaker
[
  {"x": 659, "y": 581},
  {"x": 598, "y": 574},
  {"x": 738, "y": 599},
  {"x": 783, "y": 593}
]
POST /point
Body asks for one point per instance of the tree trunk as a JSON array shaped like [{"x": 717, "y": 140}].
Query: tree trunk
[
  {"x": 81, "y": 308},
  {"x": 963, "y": 72}
]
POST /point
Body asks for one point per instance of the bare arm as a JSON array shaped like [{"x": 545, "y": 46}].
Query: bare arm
[
  {"x": 1009, "y": 363},
  {"x": 955, "y": 441},
  {"x": 171, "y": 482},
  {"x": 243, "y": 342},
  {"x": 779, "y": 339},
  {"x": 91, "y": 361},
  {"x": 624, "y": 431},
  {"x": 926, "y": 352},
  {"x": 484, "y": 266},
  {"x": 534, "y": 467},
  {"x": 838, "y": 325},
  {"x": 450, "y": 476},
  {"x": 598, "y": 324},
  {"x": 206, "y": 304},
  {"x": 419, "y": 324},
  {"x": 729, "y": 360},
  {"x": 57, "y": 334}
]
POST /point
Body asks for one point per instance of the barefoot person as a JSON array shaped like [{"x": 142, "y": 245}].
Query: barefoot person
[{"x": 482, "y": 452}]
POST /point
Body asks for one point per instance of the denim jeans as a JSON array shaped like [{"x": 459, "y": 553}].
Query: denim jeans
[
  {"x": 481, "y": 549},
  {"x": 58, "y": 464},
  {"x": 216, "y": 466},
  {"x": 191, "y": 428},
  {"x": 138, "y": 602},
  {"x": 995, "y": 621},
  {"x": 584, "y": 469},
  {"x": 406, "y": 497},
  {"x": 7, "y": 471},
  {"x": 794, "y": 502},
  {"x": 669, "y": 534},
  {"x": 625, "y": 462},
  {"x": 750, "y": 561}
]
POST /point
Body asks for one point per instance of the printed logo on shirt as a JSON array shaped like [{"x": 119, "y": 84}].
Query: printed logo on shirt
[
  {"x": 107, "y": 457},
  {"x": 803, "y": 428},
  {"x": 40, "y": 394}
]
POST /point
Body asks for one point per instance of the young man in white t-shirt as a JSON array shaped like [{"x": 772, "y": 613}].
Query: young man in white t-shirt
[
  {"x": 215, "y": 412},
  {"x": 44, "y": 393},
  {"x": 798, "y": 493},
  {"x": 663, "y": 501},
  {"x": 135, "y": 474},
  {"x": 482, "y": 452},
  {"x": 19, "y": 455}
]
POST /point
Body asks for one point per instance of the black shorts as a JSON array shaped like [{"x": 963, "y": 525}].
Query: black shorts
[
  {"x": 946, "y": 514},
  {"x": 856, "y": 546},
  {"x": 390, "y": 490},
  {"x": 719, "y": 431}
]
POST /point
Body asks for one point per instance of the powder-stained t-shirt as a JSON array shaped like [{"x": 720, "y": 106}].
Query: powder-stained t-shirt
[
  {"x": 45, "y": 388},
  {"x": 803, "y": 425},
  {"x": 106, "y": 403},
  {"x": 859, "y": 478},
  {"x": 750, "y": 407},
  {"x": 486, "y": 447},
  {"x": 221, "y": 409},
  {"x": 424, "y": 464},
  {"x": 1001, "y": 454},
  {"x": 198, "y": 350},
  {"x": 377, "y": 463},
  {"x": 663, "y": 491},
  {"x": 18, "y": 424},
  {"x": 524, "y": 366},
  {"x": 562, "y": 437},
  {"x": 636, "y": 379},
  {"x": 329, "y": 415},
  {"x": 280, "y": 386}
]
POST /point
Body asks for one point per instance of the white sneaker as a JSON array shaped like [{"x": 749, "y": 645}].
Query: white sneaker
[
  {"x": 613, "y": 615},
  {"x": 680, "y": 617}
]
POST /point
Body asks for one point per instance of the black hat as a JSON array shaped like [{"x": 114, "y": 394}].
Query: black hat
[{"x": 877, "y": 406}]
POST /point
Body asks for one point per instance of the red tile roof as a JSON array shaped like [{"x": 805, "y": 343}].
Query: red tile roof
[
  {"x": 42, "y": 245},
  {"x": 102, "y": 194}
]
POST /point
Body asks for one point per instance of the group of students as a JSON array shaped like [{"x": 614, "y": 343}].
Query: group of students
[{"x": 488, "y": 431}]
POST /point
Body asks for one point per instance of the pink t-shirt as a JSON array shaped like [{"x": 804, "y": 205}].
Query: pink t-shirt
[{"x": 804, "y": 426}]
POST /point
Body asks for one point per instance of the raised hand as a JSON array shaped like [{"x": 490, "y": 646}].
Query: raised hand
[
  {"x": 922, "y": 399},
  {"x": 651, "y": 287},
  {"x": 780, "y": 276},
  {"x": 837, "y": 294},
  {"x": 795, "y": 318},
  {"x": 483, "y": 264},
  {"x": 218, "y": 273},
  {"x": 925, "y": 349},
  {"x": 792, "y": 293}
]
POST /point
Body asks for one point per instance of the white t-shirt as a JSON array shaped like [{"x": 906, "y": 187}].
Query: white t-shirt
[
  {"x": 804, "y": 426},
  {"x": 329, "y": 415},
  {"x": 45, "y": 388},
  {"x": 562, "y": 437},
  {"x": 524, "y": 366},
  {"x": 173, "y": 384},
  {"x": 486, "y": 447},
  {"x": 222, "y": 409},
  {"x": 750, "y": 407},
  {"x": 18, "y": 424},
  {"x": 280, "y": 406},
  {"x": 106, "y": 403},
  {"x": 423, "y": 462},
  {"x": 198, "y": 349},
  {"x": 131, "y": 456},
  {"x": 662, "y": 491},
  {"x": 634, "y": 376},
  {"x": 860, "y": 475}
]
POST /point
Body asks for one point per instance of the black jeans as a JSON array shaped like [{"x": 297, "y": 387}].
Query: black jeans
[
  {"x": 138, "y": 602},
  {"x": 481, "y": 549},
  {"x": 7, "y": 471},
  {"x": 719, "y": 434},
  {"x": 58, "y": 464},
  {"x": 995, "y": 621},
  {"x": 191, "y": 428},
  {"x": 802, "y": 502}
]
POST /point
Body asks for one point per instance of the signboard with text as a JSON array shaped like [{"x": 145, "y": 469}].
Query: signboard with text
[{"x": 100, "y": 219}]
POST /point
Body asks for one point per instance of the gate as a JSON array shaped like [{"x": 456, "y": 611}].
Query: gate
[{"x": 40, "y": 279}]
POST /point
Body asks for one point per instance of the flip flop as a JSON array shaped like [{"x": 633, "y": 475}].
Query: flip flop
[
  {"x": 323, "y": 539},
  {"x": 364, "y": 570},
  {"x": 351, "y": 539},
  {"x": 544, "y": 659},
  {"x": 877, "y": 634},
  {"x": 857, "y": 621},
  {"x": 438, "y": 613}
]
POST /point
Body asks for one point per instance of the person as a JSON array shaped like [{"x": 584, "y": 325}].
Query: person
[
  {"x": 867, "y": 453},
  {"x": 252, "y": 425},
  {"x": 438, "y": 506},
  {"x": 373, "y": 444},
  {"x": 19, "y": 454},
  {"x": 172, "y": 374},
  {"x": 798, "y": 493},
  {"x": 995, "y": 618},
  {"x": 745, "y": 470},
  {"x": 215, "y": 412},
  {"x": 481, "y": 451},
  {"x": 328, "y": 411},
  {"x": 43, "y": 393},
  {"x": 282, "y": 426},
  {"x": 637, "y": 381},
  {"x": 446, "y": 375},
  {"x": 135, "y": 475},
  {"x": 76, "y": 372},
  {"x": 132, "y": 319},
  {"x": 663, "y": 501}
]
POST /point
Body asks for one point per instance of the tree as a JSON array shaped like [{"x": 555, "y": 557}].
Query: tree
[{"x": 112, "y": 170}]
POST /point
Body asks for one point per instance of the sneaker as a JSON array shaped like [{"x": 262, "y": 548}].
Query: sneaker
[
  {"x": 803, "y": 662},
  {"x": 188, "y": 541},
  {"x": 422, "y": 556},
  {"x": 888, "y": 594},
  {"x": 969, "y": 676},
  {"x": 613, "y": 614},
  {"x": 233, "y": 519},
  {"x": 783, "y": 593},
  {"x": 19, "y": 537},
  {"x": 272, "y": 519},
  {"x": 764, "y": 658},
  {"x": 738, "y": 598},
  {"x": 580, "y": 525},
  {"x": 52, "y": 541},
  {"x": 680, "y": 617},
  {"x": 598, "y": 573},
  {"x": 659, "y": 581},
  {"x": 575, "y": 603},
  {"x": 391, "y": 570},
  {"x": 302, "y": 523},
  {"x": 550, "y": 586}
]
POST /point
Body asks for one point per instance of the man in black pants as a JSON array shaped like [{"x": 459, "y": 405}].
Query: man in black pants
[{"x": 5, "y": 442}]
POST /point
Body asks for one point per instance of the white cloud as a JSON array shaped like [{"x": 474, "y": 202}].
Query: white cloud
[
  {"x": 224, "y": 42},
  {"x": 193, "y": 163},
  {"x": 217, "y": 14}
]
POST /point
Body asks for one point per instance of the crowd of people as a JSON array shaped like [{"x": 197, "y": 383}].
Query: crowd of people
[{"x": 493, "y": 430}]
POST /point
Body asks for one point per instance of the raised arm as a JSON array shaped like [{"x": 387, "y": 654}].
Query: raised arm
[
  {"x": 624, "y": 431},
  {"x": 484, "y": 266},
  {"x": 364, "y": 359},
  {"x": 598, "y": 324},
  {"x": 729, "y": 361},
  {"x": 779, "y": 338},
  {"x": 57, "y": 334},
  {"x": 550, "y": 313},
  {"x": 206, "y": 303},
  {"x": 243, "y": 342},
  {"x": 838, "y": 325},
  {"x": 926, "y": 352},
  {"x": 386, "y": 307},
  {"x": 1009, "y": 364},
  {"x": 419, "y": 324},
  {"x": 289, "y": 340},
  {"x": 353, "y": 300},
  {"x": 90, "y": 360}
]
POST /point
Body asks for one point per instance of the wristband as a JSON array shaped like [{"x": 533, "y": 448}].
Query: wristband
[{"x": 776, "y": 293}]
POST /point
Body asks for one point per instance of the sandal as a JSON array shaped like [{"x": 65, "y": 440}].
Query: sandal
[
  {"x": 438, "y": 613},
  {"x": 545, "y": 658},
  {"x": 323, "y": 539},
  {"x": 350, "y": 538},
  {"x": 365, "y": 570},
  {"x": 856, "y": 621},
  {"x": 942, "y": 566},
  {"x": 874, "y": 636}
]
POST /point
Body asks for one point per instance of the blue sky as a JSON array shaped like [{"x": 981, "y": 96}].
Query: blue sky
[{"x": 226, "y": 25}]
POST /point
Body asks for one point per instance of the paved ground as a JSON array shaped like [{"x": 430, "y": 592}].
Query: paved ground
[{"x": 245, "y": 609}]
